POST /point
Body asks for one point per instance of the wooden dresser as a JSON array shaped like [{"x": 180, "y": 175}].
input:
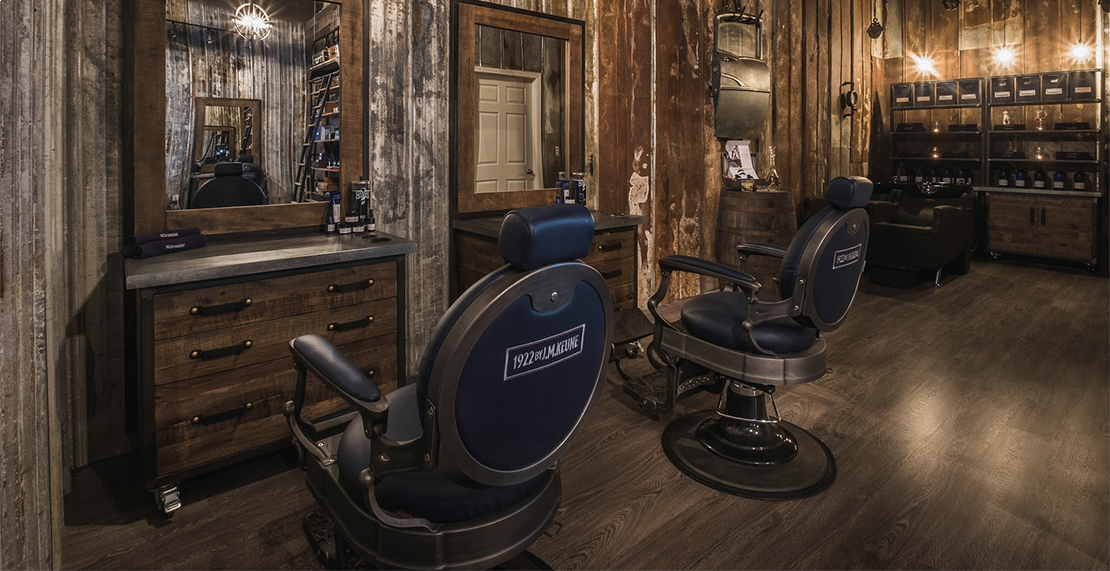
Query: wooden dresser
[
  {"x": 213, "y": 333},
  {"x": 612, "y": 253},
  {"x": 1044, "y": 223}
]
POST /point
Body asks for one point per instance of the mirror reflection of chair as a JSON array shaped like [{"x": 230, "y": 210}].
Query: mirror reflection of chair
[
  {"x": 228, "y": 188},
  {"x": 459, "y": 470},
  {"x": 743, "y": 345}
]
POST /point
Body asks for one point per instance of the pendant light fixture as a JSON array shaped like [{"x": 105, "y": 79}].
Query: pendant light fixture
[
  {"x": 252, "y": 22},
  {"x": 875, "y": 29}
]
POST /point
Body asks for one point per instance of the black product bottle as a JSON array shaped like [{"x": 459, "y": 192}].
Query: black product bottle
[
  {"x": 946, "y": 176},
  {"x": 1039, "y": 178},
  {"x": 1003, "y": 177},
  {"x": 919, "y": 175},
  {"x": 559, "y": 198},
  {"x": 1019, "y": 179},
  {"x": 1059, "y": 180},
  {"x": 903, "y": 174},
  {"x": 1079, "y": 182}
]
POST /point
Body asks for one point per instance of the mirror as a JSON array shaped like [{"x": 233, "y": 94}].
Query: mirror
[
  {"x": 202, "y": 93},
  {"x": 520, "y": 90}
]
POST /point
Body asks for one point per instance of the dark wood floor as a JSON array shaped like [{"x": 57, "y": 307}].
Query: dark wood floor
[{"x": 971, "y": 426}]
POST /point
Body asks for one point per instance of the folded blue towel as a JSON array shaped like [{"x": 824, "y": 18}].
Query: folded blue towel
[
  {"x": 159, "y": 247},
  {"x": 132, "y": 241}
]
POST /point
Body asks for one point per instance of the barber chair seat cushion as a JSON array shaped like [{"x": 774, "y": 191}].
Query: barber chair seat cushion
[
  {"x": 439, "y": 497},
  {"x": 718, "y": 318}
]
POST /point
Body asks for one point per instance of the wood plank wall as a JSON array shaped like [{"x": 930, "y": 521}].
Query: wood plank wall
[
  {"x": 33, "y": 301},
  {"x": 210, "y": 60},
  {"x": 658, "y": 153},
  {"x": 962, "y": 43}
]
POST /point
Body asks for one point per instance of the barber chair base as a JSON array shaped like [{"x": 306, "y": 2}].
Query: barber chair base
[
  {"x": 320, "y": 531},
  {"x": 809, "y": 472}
]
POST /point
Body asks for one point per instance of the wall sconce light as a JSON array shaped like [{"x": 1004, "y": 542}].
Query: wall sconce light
[
  {"x": 252, "y": 22},
  {"x": 875, "y": 29},
  {"x": 925, "y": 64},
  {"x": 1004, "y": 56},
  {"x": 1081, "y": 52}
]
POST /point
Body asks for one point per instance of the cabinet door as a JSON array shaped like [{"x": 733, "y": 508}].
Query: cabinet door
[
  {"x": 1066, "y": 228},
  {"x": 1010, "y": 223}
]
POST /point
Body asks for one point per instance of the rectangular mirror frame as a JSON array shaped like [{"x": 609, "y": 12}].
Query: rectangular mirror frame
[
  {"x": 200, "y": 126},
  {"x": 469, "y": 15},
  {"x": 145, "y": 120}
]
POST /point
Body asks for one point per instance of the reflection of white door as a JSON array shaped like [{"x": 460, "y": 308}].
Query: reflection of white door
[{"x": 507, "y": 146}]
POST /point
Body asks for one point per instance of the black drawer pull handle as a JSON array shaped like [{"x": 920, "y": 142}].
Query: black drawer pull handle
[
  {"x": 611, "y": 246},
  {"x": 217, "y": 353},
  {"x": 1044, "y": 216},
  {"x": 1031, "y": 216},
  {"x": 356, "y": 324},
  {"x": 222, "y": 416},
  {"x": 233, "y": 307},
  {"x": 364, "y": 284},
  {"x": 612, "y": 274}
]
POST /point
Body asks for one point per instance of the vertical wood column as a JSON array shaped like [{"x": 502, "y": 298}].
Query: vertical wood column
[{"x": 31, "y": 281}]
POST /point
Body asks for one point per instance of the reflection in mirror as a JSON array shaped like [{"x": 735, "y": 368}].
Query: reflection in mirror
[
  {"x": 207, "y": 59},
  {"x": 520, "y": 110}
]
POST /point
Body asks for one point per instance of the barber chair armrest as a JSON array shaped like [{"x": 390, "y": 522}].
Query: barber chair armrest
[
  {"x": 949, "y": 219},
  {"x": 760, "y": 250},
  {"x": 881, "y": 210},
  {"x": 710, "y": 269},
  {"x": 327, "y": 363}
]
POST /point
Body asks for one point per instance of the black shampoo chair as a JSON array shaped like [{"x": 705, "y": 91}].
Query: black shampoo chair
[
  {"x": 459, "y": 470},
  {"x": 743, "y": 345},
  {"x": 926, "y": 226},
  {"x": 229, "y": 188}
]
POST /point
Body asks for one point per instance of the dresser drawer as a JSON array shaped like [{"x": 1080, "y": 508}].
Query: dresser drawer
[
  {"x": 215, "y": 416},
  {"x": 612, "y": 246},
  {"x": 230, "y": 348},
  {"x": 209, "y": 309}
]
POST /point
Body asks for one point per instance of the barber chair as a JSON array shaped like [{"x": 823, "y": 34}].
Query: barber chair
[
  {"x": 744, "y": 345},
  {"x": 252, "y": 172},
  {"x": 927, "y": 226},
  {"x": 460, "y": 469},
  {"x": 228, "y": 188}
]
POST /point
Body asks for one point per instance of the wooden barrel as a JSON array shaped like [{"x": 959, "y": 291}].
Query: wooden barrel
[{"x": 765, "y": 217}]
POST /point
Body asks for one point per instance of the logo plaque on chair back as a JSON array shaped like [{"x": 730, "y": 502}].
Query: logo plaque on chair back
[
  {"x": 549, "y": 351},
  {"x": 847, "y": 256}
]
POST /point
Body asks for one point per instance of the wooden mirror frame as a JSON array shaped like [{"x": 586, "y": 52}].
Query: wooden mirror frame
[
  {"x": 201, "y": 125},
  {"x": 471, "y": 14},
  {"x": 145, "y": 122}
]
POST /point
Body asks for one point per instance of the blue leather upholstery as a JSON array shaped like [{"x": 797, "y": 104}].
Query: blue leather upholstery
[
  {"x": 717, "y": 318},
  {"x": 844, "y": 192},
  {"x": 331, "y": 363},
  {"x": 533, "y": 237},
  {"x": 439, "y": 497}
]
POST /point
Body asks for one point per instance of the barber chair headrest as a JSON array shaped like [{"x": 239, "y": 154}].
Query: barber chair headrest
[
  {"x": 246, "y": 159},
  {"x": 228, "y": 169},
  {"x": 845, "y": 192},
  {"x": 533, "y": 237}
]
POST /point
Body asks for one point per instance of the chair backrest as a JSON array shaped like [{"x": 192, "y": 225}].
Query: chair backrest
[
  {"x": 229, "y": 188},
  {"x": 252, "y": 171},
  {"x": 518, "y": 359},
  {"x": 825, "y": 258}
]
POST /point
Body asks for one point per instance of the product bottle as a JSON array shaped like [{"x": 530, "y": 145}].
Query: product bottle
[
  {"x": 961, "y": 178},
  {"x": 1079, "y": 182},
  {"x": 371, "y": 224},
  {"x": 578, "y": 187},
  {"x": 1019, "y": 179},
  {"x": 931, "y": 176},
  {"x": 560, "y": 194},
  {"x": 352, "y": 222},
  {"x": 903, "y": 174},
  {"x": 331, "y": 225},
  {"x": 946, "y": 176},
  {"x": 1003, "y": 177},
  {"x": 1059, "y": 179},
  {"x": 1039, "y": 178},
  {"x": 568, "y": 196},
  {"x": 918, "y": 175}
]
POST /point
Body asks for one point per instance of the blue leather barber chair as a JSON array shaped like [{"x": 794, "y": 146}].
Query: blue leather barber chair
[
  {"x": 744, "y": 345},
  {"x": 228, "y": 188},
  {"x": 460, "y": 469}
]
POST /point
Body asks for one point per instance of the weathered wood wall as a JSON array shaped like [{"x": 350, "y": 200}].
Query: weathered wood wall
[
  {"x": 658, "y": 153},
  {"x": 33, "y": 299},
  {"x": 210, "y": 60}
]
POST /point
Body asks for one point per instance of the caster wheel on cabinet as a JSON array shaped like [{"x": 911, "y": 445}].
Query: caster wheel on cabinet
[{"x": 168, "y": 500}]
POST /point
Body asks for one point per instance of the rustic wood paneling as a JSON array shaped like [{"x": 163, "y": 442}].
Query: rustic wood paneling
[{"x": 34, "y": 308}]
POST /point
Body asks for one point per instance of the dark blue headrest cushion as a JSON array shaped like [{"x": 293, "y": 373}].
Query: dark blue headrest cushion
[
  {"x": 228, "y": 169},
  {"x": 246, "y": 159},
  {"x": 533, "y": 237},
  {"x": 846, "y": 192}
]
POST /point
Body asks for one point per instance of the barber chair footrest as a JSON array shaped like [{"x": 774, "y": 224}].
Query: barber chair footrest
[{"x": 810, "y": 472}]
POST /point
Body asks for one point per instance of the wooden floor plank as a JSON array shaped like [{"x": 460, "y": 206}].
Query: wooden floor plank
[{"x": 970, "y": 423}]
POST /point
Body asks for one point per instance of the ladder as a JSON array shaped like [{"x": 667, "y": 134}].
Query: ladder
[{"x": 314, "y": 116}]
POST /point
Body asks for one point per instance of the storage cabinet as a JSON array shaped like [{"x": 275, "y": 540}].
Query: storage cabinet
[
  {"x": 213, "y": 331},
  {"x": 1047, "y": 226}
]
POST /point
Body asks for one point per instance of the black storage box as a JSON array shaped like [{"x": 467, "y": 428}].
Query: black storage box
[
  {"x": 947, "y": 93},
  {"x": 1002, "y": 90},
  {"x": 1028, "y": 88},
  {"x": 901, "y": 95},
  {"x": 1054, "y": 86},
  {"x": 1084, "y": 85},
  {"x": 923, "y": 94},
  {"x": 971, "y": 91}
]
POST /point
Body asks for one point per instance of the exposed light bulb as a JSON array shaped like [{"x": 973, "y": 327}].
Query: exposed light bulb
[
  {"x": 1004, "y": 56},
  {"x": 252, "y": 22},
  {"x": 925, "y": 64},
  {"x": 1081, "y": 52}
]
